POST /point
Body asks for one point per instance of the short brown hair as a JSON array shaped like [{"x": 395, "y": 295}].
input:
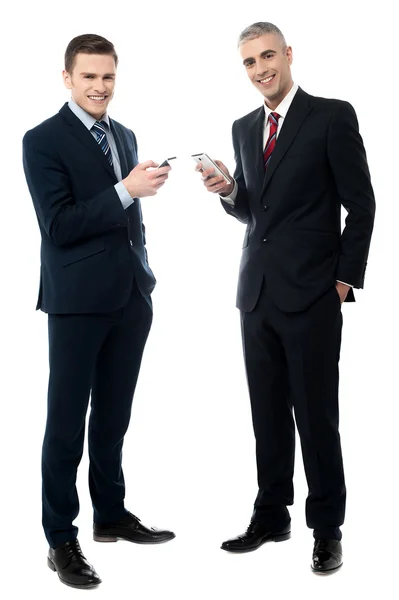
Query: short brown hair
[{"x": 89, "y": 43}]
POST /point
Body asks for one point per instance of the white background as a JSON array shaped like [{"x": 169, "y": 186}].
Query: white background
[{"x": 189, "y": 458}]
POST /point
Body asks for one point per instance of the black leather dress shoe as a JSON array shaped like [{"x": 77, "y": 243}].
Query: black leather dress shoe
[
  {"x": 71, "y": 566},
  {"x": 131, "y": 529},
  {"x": 327, "y": 556},
  {"x": 254, "y": 537}
]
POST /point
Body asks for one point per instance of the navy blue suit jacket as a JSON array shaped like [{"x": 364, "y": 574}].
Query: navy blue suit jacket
[{"x": 92, "y": 249}]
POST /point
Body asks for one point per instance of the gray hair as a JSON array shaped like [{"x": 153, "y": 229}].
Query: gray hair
[{"x": 257, "y": 30}]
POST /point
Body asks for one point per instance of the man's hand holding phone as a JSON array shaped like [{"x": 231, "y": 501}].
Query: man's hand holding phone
[
  {"x": 215, "y": 182},
  {"x": 144, "y": 180}
]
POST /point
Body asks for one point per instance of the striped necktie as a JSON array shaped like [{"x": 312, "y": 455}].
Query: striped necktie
[
  {"x": 271, "y": 142},
  {"x": 101, "y": 136}
]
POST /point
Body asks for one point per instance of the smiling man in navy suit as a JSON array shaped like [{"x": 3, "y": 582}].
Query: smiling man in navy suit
[
  {"x": 86, "y": 183},
  {"x": 299, "y": 158}
]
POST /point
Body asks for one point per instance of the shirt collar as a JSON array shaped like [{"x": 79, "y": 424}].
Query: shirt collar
[
  {"x": 87, "y": 120},
  {"x": 284, "y": 105}
]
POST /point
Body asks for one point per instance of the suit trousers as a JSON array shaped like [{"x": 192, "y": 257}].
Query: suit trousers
[
  {"x": 97, "y": 356},
  {"x": 291, "y": 363}
]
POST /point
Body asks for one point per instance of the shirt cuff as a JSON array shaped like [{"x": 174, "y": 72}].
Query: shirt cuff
[
  {"x": 230, "y": 199},
  {"x": 348, "y": 284},
  {"x": 123, "y": 194}
]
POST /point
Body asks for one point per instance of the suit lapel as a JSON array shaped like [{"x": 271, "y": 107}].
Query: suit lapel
[
  {"x": 255, "y": 133},
  {"x": 121, "y": 149},
  {"x": 296, "y": 115},
  {"x": 252, "y": 147},
  {"x": 83, "y": 135}
]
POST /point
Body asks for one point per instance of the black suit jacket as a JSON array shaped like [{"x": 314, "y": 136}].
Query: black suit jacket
[
  {"x": 293, "y": 213},
  {"x": 91, "y": 249}
]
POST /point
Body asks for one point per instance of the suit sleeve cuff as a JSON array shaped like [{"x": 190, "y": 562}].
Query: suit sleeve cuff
[
  {"x": 231, "y": 199},
  {"x": 344, "y": 282},
  {"x": 123, "y": 194}
]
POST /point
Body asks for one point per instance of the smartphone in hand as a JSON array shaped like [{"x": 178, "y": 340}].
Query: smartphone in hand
[
  {"x": 207, "y": 163},
  {"x": 165, "y": 163}
]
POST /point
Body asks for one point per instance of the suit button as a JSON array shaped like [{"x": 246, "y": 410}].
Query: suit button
[
  {"x": 264, "y": 240},
  {"x": 264, "y": 208},
  {"x": 131, "y": 243}
]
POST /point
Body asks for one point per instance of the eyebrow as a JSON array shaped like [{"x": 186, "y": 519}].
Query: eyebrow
[
  {"x": 95, "y": 74},
  {"x": 262, "y": 55}
]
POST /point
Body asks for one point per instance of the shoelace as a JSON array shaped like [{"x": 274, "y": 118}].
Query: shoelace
[
  {"x": 73, "y": 550},
  {"x": 134, "y": 516},
  {"x": 251, "y": 527},
  {"x": 321, "y": 545}
]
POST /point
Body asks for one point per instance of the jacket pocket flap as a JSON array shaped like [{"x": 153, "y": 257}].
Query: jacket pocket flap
[{"x": 80, "y": 252}]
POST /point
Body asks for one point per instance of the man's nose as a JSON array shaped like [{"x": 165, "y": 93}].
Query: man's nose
[
  {"x": 260, "y": 69},
  {"x": 99, "y": 87}
]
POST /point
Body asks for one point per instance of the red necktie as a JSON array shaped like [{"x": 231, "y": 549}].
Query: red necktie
[{"x": 271, "y": 142}]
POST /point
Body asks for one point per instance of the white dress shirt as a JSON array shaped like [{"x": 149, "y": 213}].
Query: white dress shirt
[{"x": 88, "y": 121}]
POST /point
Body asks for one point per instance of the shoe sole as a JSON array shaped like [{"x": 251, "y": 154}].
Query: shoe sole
[
  {"x": 328, "y": 572},
  {"x": 276, "y": 538},
  {"x": 114, "y": 538},
  {"x": 87, "y": 586}
]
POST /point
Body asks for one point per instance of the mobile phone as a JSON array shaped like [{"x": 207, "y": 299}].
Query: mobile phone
[
  {"x": 207, "y": 163},
  {"x": 166, "y": 162}
]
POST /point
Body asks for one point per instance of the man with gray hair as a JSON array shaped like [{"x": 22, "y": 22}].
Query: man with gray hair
[{"x": 298, "y": 159}]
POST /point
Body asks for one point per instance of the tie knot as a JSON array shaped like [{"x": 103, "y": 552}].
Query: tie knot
[
  {"x": 100, "y": 125},
  {"x": 274, "y": 117}
]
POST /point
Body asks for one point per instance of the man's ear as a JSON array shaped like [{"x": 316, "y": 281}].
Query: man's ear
[{"x": 67, "y": 79}]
